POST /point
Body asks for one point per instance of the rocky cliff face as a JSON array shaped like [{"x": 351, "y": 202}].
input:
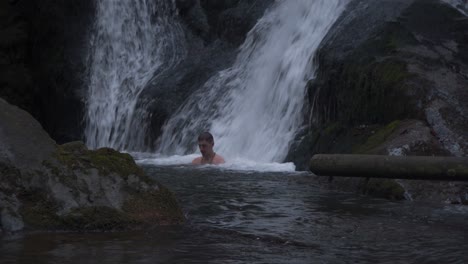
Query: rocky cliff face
[
  {"x": 15, "y": 74},
  {"x": 68, "y": 187},
  {"x": 43, "y": 61},
  {"x": 385, "y": 62}
]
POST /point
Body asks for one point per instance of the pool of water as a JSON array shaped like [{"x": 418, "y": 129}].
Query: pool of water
[{"x": 263, "y": 217}]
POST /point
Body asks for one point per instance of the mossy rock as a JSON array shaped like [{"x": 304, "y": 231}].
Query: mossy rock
[
  {"x": 141, "y": 210},
  {"x": 42, "y": 214},
  {"x": 75, "y": 155},
  {"x": 145, "y": 203},
  {"x": 109, "y": 160},
  {"x": 377, "y": 139},
  {"x": 373, "y": 93},
  {"x": 77, "y": 147},
  {"x": 97, "y": 218},
  {"x": 38, "y": 211},
  {"x": 68, "y": 187}
]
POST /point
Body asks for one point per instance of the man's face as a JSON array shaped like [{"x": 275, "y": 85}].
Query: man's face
[{"x": 206, "y": 147}]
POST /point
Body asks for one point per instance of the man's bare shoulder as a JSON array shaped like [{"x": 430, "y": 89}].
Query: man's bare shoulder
[
  {"x": 218, "y": 159},
  {"x": 197, "y": 161}
]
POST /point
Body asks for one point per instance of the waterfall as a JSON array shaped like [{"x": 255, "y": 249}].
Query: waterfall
[
  {"x": 132, "y": 41},
  {"x": 254, "y": 108}
]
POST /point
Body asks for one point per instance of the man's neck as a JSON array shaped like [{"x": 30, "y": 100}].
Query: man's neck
[{"x": 209, "y": 157}]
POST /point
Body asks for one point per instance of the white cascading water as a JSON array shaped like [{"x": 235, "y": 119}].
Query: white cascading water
[
  {"x": 131, "y": 40},
  {"x": 254, "y": 108}
]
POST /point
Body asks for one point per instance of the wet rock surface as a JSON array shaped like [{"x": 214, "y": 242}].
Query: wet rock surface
[
  {"x": 68, "y": 187},
  {"x": 391, "y": 81},
  {"x": 43, "y": 60}
]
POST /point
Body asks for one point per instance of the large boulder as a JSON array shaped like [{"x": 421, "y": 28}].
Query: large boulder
[
  {"x": 387, "y": 61},
  {"x": 68, "y": 187},
  {"x": 411, "y": 64}
]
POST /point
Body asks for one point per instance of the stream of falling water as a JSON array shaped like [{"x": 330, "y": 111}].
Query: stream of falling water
[
  {"x": 254, "y": 108},
  {"x": 133, "y": 40}
]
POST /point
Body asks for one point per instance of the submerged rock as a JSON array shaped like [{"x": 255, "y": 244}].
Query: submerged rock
[{"x": 68, "y": 187}]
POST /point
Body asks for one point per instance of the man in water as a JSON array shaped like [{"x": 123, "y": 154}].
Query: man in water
[{"x": 205, "y": 144}]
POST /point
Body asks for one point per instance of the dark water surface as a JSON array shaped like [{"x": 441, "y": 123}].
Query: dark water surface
[{"x": 253, "y": 217}]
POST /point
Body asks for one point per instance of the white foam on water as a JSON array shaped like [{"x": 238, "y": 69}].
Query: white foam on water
[
  {"x": 159, "y": 160},
  {"x": 233, "y": 165}
]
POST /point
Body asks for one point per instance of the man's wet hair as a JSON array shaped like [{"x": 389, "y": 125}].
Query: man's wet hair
[{"x": 206, "y": 136}]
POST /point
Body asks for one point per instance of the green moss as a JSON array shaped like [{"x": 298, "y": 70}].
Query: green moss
[
  {"x": 373, "y": 93},
  {"x": 157, "y": 206},
  {"x": 384, "y": 188},
  {"x": 376, "y": 88},
  {"x": 96, "y": 218},
  {"x": 61, "y": 174},
  {"x": 108, "y": 160},
  {"x": 370, "y": 85},
  {"x": 386, "y": 42},
  {"x": 76, "y": 156},
  {"x": 73, "y": 147},
  {"x": 69, "y": 154},
  {"x": 38, "y": 211},
  {"x": 377, "y": 139},
  {"x": 143, "y": 209},
  {"x": 53, "y": 168},
  {"x": 154, "y": 207},
  {"x": 9, "y": 175},
  {"x": 332, "y": 128}
]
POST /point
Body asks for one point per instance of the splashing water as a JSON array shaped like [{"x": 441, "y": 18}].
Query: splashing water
[
  {"x": 132, "y": 39},
  {"x": 254, "y": 108}
]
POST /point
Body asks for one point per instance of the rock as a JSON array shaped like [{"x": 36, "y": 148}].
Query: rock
[
  {"x": 11, "y": 223},
  {"x": 402, "y": 138},
  {"x": 43, "y": 61},
  {"x": 383, "y": 62},
  {"x": 23, "y": 143},
  {"x": 15, "y": 75},
  {"x": 194, "y": 16},
  {"x": 399, "y": 68},
  {"x": 68, "y": 187},
  {"x": 231, "y": 20}
]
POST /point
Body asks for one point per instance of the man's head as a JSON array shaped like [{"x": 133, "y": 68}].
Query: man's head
[{"x": 205, "y": 143}]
